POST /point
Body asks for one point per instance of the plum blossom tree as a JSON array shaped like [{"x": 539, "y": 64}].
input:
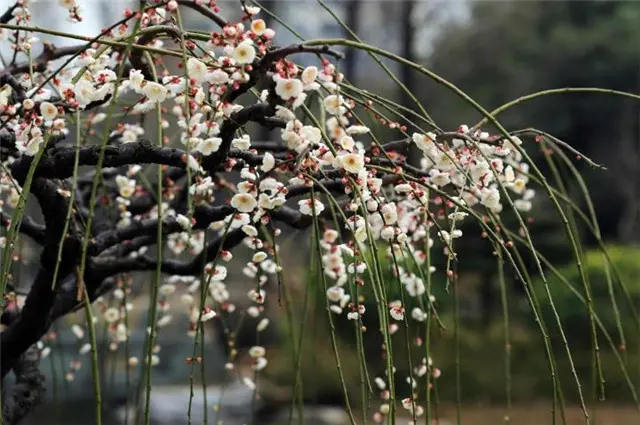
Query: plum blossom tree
[{"x": 76, "y": 137}]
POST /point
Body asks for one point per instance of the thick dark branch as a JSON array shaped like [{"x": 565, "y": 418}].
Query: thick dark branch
[
  {"x": 103, "y": 267},
  {"x": 8, "y": 14},
  {"x": 28, "y": 226},
  {"x": 32, "y": 323},
  {"x": 282, "y": 52},
  {"x": 28, "y": 390},
  {"x": 59, "y": 163},
  {"x": 19, "y": 93},
  {"x": 257, "y": 113},
  {"x": 292, "y": 217},
  {"x": 336, "y": 186},
  {"x": 203, "y": 214},
  {"x": 53, "y": 205}
]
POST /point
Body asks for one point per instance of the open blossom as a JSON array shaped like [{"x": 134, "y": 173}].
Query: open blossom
[
  {"x": 268, "y": 162},
  {"x": 425, "y": 142},
  {"x": 209, "y": 146},
  {"x": 244, "y": 53},
  {"x": 439, "y": 178},
  {"x": 288, "y": 88},
  {"x": 347, "y": 143},
  {"x": 242, "y": 143},
  {"x": 334, "y": 104},
  {"x": 352, "y": 162},
  {"x": 136, "y": 78},
  {"x": 335, "y": 293},
  {"x": 259, "y": 257},
  {"x": 183, "y": 221},
  {"x": 418, "y": 315},
  {"x": 155, "y": 92},
  {"x": 309, "y": 74},
  {"x": 32, "y": 147},
  {"x": 244, "y": 202},
  {"x": 49, "y": 111},
  {"x": 490, "y": 198},
  {"x": 197, "y": 70},
  {"x": 307, "y": 206},
  {"x": 218, "y": 76},
  {"x": 84, "y": 92},
  {"x": 357, "y": 129},
  {"x": 126, "y": 186},
  {"x": 257, "y": 351},
  {"x": 207, "y": 314},
  {"x": 397, "y": 312},
  {"x": 258, "y": 26}
]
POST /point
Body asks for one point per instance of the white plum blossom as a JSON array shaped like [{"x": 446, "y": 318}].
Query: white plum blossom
[
  {"x": 268, "y": 162},
  {"x": 218, "y": 77},
  {"x": 351, "y": 162},
  {"x": 258, "y": 26},
  {"x": 209, "y": 145},
  {"x": 288, "y": 88},
  {"x": 418, "y": 315},
  {"x": 244, "y": 53},
  {"x": 335, "y": 293},
  {"x": 242, "y": 143},
  {"x": 309, "y": 75},
  {"x": 490, "y": 198},
  {"x": 183, "y": 221},
  {"x": 48, "y": 111},
  {"x": 136, "y": 78},
  {"x": 208, "y": 314},
  {"x": 126, "y": 186},
  {"x": 155, "y": 92},
  {"x": 197, "y": 70},
  {"x": 357, "y": 129},
  {"x": 397, "y": 312},
  {"x": 334, "y": 104},
  {"x": 307, "y": 206},
  {"x": 244, "y": 202}
]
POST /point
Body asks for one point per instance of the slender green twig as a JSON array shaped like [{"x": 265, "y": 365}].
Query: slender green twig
[{"x": 94, "y": 358}]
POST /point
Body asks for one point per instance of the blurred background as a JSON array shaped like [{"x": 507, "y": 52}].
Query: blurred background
[{"x": 495, "y": 51}]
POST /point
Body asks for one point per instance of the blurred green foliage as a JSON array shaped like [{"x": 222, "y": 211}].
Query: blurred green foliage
[
  {"x": 624, "y": 271},
  {"x": 482, "y": 345}
]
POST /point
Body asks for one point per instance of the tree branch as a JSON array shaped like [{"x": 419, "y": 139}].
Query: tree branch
[
  {"x": 28, "y": 390},
  {"x": 28, "y": 226}
]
